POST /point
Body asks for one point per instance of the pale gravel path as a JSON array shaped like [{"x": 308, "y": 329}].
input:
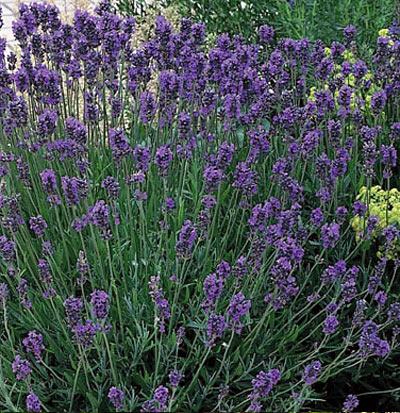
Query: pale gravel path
[{"x": 10, "y": 11}]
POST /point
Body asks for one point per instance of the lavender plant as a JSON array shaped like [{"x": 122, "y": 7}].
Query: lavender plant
[{"x": 176, "y": 221}]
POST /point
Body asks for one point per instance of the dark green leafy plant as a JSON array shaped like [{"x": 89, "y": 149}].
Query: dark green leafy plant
[{"x": 297, "y": 19}]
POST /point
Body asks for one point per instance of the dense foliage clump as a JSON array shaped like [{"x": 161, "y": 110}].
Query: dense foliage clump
[
  {"x": 296, "y": 19},
  {"x": 186, "y": 228}
]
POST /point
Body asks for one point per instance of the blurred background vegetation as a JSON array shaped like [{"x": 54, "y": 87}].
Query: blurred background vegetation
[{"x": 314, "y": 19}]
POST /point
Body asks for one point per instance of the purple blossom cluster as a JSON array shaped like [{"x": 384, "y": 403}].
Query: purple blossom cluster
[
  {"x": 350, "y": 403},
  {"x": 370, "y": 344},
  {"x": 159, "y": 401},
  {"x": 34, "y": 344},
  {"x": 262, "y": 386},
  {"x": 73, "y": 307},
  {"x": 38, "y": 225},
  {"x": 21, "y": 368},
  {"x": 186, "y": 240},
  {"x": 74, "y": 189},
  {"x": 33, "y": 403},
  {"x": 238, "y": 307},
  {"x": 175, "y": 377},
  {"x": 312, "y": 372},
  {"x": 85, "y": 331},
  {"x": 215, "y": 328},
  {"x": 212, "y": 288},
  {"x": 100, "y": 303},
  {"x": 116, "y": 397}
]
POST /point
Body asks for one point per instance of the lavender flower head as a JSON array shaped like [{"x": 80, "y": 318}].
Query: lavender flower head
[
  {"x": 394, "y": 312},
  {"x": 212, "y": 288},
  {"x": 73, "y": 307},
  {"x": 359, "y": 208},
  {"x": 349, "y": 32},
  {"x": 370, "y": 344},
  {"x": 34, "y": 344},
  {"x": 38, "y": 225},
  {"x": 317, "y": 217},
  {"x": 262, "y": 386},
  {"x": 82, "y": 267},
  {"x": 85, "y": 332},
  {"x": 163, "y": 159},
  {"x": 119, "y": 145},
  {"x": 223, "y": 270},
  {"x": 100, "y": 304},
  {"x": 266, "y": 34},
  {"x": 116, "y": 397},
  {"x": 238, "y": 307},
  {"x": 3, "y": 293},
  {"x": 147, "y": 107},
  {"x": 312, "y": 372},
  {"x": 174, "y": 378},
  {"x": 111, "y": 185},
  {"x": 169, "y": 205},
  {"x": 213, "y": 178},
  {"x": 350, "y": 403},
  {"x": 21, "y": 368},
  {"x": 46, "y": 277},
  {"x": 330, "y": 234},
  {"x": 215, "y": 328},
  {"x": 187, "y": 237},
  {"x": 47, "y": 248},
  {"x": 49, "y": 181},
  {"x": 33, "y": 403},
  {"x": 142, "y": 157},
  {"x": 330, "y": 324},
  {"x": 74, "y": 189},
  {"x": 7, "y": 248},
  {"x": 22, "y": 289},
  {"x": 99, "y": 215},
  {"x": 76, "y": 130},
  {"x": 161, "y": 396},
  {"x": 246, "y": 179}
]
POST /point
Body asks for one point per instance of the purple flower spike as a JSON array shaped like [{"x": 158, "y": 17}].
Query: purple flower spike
[
  {"x": 312, "y": 372},
  {"x": 33, "y": 403},
  {"x": 215, "y": 328},
  {"x": 330, "y": 234},
  {"x": 34, "y": 344},
  {"x": 21, "y": 368},
  {"x": 3, "y": 293},
  {"x": 175, "y": 377},
  {"x": 238, "y": 307},
  {"x": 116, "y": 397},
  {"x": 350, "y": 403},
  {"x": 100, "y": 304},
  {"x": 262, "y": 386},
  {"x": 161, "y": 396},
  {"x": 163, "y": 159},
  {"x": 266, "y": 33},
  {"x": 212, "y": 288},
  {"x": 330, "y": 324},
  {"x": 38, "y": 224},
  {"x": 187, "y": 237},
  {"x": 49, "y": 181},
  {"x": 73, "y": 307}
]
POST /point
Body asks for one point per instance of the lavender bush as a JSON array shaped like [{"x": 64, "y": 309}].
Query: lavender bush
[{"x": 178, "y": 225}]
